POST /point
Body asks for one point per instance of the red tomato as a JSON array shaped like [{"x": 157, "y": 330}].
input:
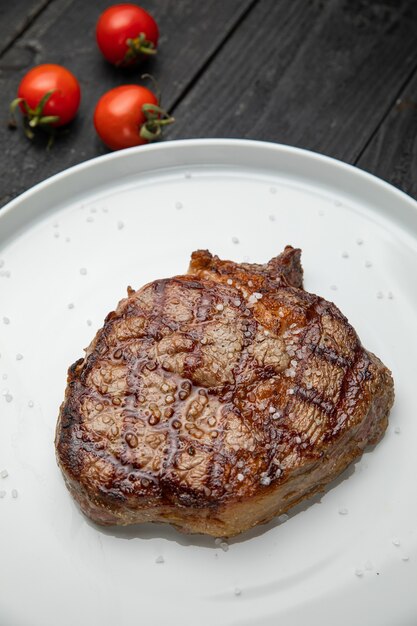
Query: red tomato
[
  {"x": 122, "y": 118},
  {"x": 63, "y": 101},
  {"x": 126, "y": 33}
]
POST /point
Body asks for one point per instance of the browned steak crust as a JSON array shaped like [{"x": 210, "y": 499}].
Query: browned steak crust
[{"x": 218, "y": 399}]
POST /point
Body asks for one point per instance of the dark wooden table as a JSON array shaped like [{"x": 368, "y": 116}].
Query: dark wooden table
[{"x": 335, "y": 76}]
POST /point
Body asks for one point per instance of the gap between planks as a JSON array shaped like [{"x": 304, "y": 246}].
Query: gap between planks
[
  {"x": 188, "y": 87},
  {"x": 25, "y": 26}
]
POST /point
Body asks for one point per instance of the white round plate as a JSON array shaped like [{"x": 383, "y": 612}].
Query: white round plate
[{"x": 69, "y": 247}]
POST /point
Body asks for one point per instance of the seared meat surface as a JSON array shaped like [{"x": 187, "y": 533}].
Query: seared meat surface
[{"x": 218, "y": 399}]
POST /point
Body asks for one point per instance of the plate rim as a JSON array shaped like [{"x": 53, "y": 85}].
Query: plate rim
[{"x": 308, "y": 154}]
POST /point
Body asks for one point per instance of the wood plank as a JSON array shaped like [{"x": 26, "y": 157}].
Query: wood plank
[
  {"x": 64, "y": 33},
  {"x": 392, "y": 152},
  {"x": 15, "y": 17},
  {"x": 318, "y": 75}
]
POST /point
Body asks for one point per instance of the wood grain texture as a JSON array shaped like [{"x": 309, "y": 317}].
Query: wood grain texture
[
  {"x": 392, "y": 152},
  {"x": 65, "y": 33},
  {"x": 320, "y": 75},
  {"x": 15, "y": 17}
]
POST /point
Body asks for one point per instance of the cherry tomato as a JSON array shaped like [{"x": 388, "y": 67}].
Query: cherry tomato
[
  {"x": 48, "y": 95},
  {"x": 126, "y": 33},
  {"x": 129, "y": 116}
]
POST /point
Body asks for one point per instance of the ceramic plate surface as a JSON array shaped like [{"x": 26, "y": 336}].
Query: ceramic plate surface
[{"x": 68, "y": 248}]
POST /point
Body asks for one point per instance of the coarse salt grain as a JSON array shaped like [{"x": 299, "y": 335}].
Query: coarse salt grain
[
  {"x": 265, "y": 480},
  {"x": 8, "y": 397},
  {"x": 219, "y": 307},
  {"x": 240, "y": 477},
  {"x": 238, "y": 591},
  {"x": 397, "y": 430},
  {"x": 218, "y": 541},
  {"x": 272, "y": 218},
  {"x": 283, "y": 518},
  {"x": 345, "y": 255},
  {"x": 14, "y": 493},
  {"x": 250, "y": 283},
  {"x": 237, "y": 302},
  {"x": 229, "y": 281},
  {"x": 405, "y": 557},
  {"x": 30, "y": 404},
  {"x": 56, "y": 235},
  {"x": 71, "y": 305},
  {"x": 276, "y": 415},
  {"x": 178, "y": 205},
  {"x": 235, "y": 240},
  {"x": 224, "y": 546},
  {"x": 257, "y": 295},
  {"x": 390, "y": 295},
  {"x": 359, "y": 241},
  {"x": 298, "y": 440},
  {"x": 396, "y": 542},
  {"x": 4, "y": 473},
  {"x": 120, "y": 225},
  {"x": 83, "y": 271},
  {"x": 89, "y": 322},
  {"x": 160, "y": 559},
  {"x": 272, "y": 409},
  {"x": 343, "y": 510},
  {"x": 358, "y": 572},
  {"x": 19, "y": 356},
  {"x": 368, "y": 263},
  {"x": 379, "y": 295},
  {"x": 6, "y": 320}
]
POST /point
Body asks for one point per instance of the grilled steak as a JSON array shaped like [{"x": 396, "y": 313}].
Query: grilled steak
[{"x": 218, "y": 399}]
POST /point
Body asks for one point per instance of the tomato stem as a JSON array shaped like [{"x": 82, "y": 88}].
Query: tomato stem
[
  {"x": 34, "y": 118},
  {"x": 156, "y": 118},
  {"x": 138, "y": 47},
  {"x": 155, "y": 85}
]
